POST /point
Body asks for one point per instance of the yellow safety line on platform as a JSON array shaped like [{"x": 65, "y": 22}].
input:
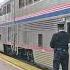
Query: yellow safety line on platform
[
  {"x": 11, "y": 64},
  {"x": 18, "y": 63}
]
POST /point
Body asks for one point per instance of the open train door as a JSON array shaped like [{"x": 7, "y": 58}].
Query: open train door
[
  {"x": 68, "y": 30},
  {"x": 68, "y": 27}
]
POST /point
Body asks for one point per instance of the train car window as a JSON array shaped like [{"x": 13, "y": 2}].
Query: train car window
[
  {"x": 4, "y": 10},
  {"x": 29, "y": 2},
  {"x": 21, "y": 3},
  {"x": 36, "y": 0},
  {"x": 0, "y": 36},
  {"x": 8, "y": 8},
  {"x": 0, "y": 12},
  {"x": 40, "y": 40}
]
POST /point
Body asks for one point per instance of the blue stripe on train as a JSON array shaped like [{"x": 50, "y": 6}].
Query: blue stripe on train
[
  {"x": 57, "y": 13},
  {"x": 27, "y": 20}
]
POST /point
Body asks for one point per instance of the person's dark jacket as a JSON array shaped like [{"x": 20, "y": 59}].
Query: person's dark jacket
[{"x": 60, "y": 40}]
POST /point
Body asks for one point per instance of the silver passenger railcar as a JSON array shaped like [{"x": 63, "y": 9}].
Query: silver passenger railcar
[{"x": 26, "y": 28}]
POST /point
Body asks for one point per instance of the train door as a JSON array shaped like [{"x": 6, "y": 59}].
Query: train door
[
  {"x": 68, "y": 27},
  {"x": 68, "y": 30}
]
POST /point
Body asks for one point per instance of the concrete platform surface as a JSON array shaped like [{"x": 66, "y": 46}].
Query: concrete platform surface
[{"x": 18, "y": 63}]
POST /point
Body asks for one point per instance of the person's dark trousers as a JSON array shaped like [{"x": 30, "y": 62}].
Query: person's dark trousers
[{"x": 60, "y": 59}]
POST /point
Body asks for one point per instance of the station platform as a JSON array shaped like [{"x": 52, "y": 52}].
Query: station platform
[{"x": 18, "y": 63}]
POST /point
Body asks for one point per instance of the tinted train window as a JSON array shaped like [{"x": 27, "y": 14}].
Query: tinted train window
[
  {"x": 0, "y": 12},
  {"x": 8, "y": 8},
  {"x": 21, "y": 3},
  {"x": 40, "y": 40},
  {"x": 0, "y": 36},
  {"x": 36, "y": 0},
  {"x": 29, "y": 2},
  {"x": 4, "y": 10}
]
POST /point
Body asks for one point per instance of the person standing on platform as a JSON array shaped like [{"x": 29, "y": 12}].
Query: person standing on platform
[{"x": 59, "y": 43}]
